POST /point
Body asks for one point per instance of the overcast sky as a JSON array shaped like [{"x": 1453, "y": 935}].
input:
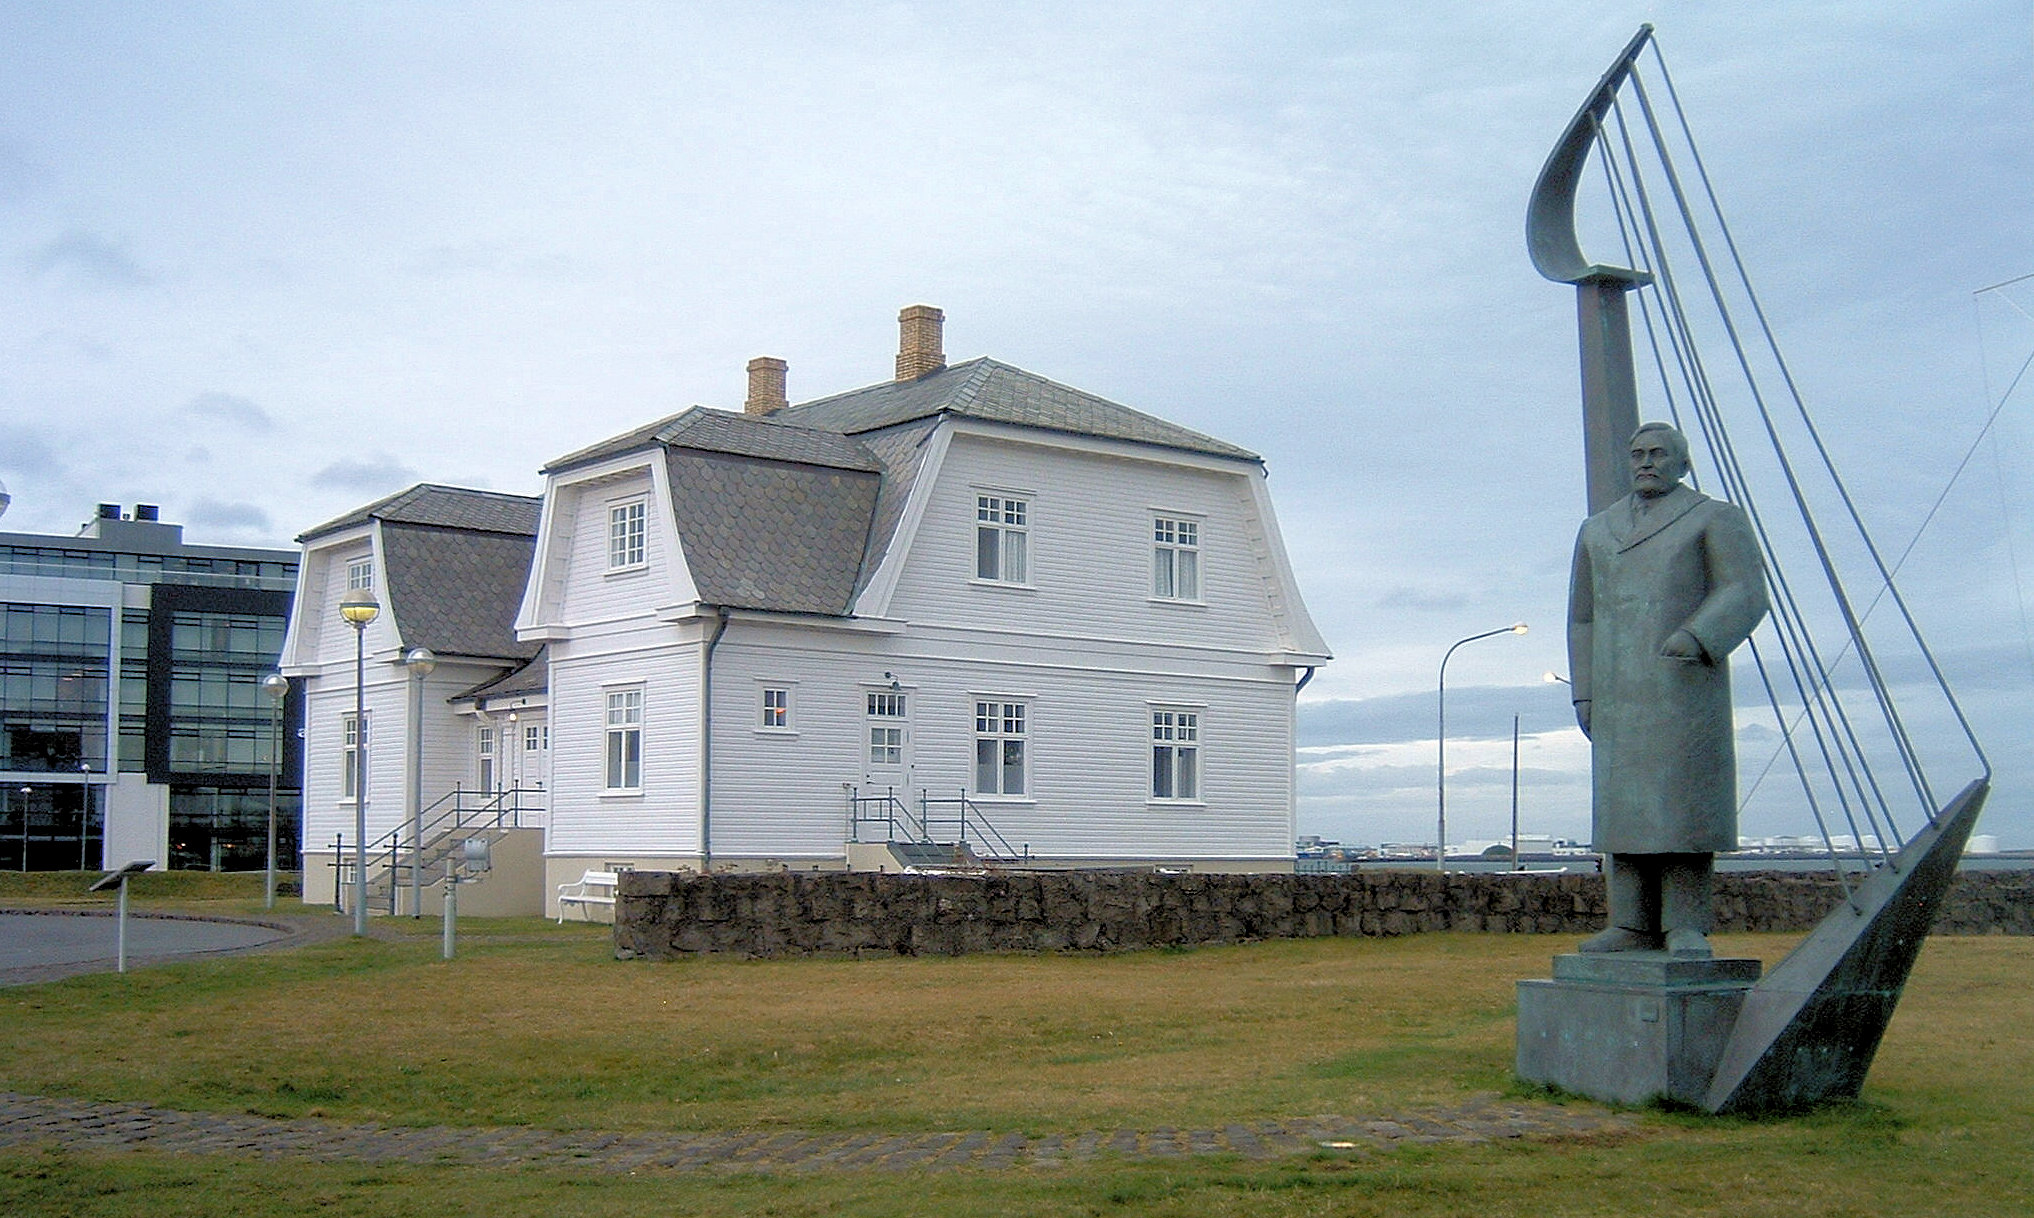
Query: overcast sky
[{"x": 267, "y": 262}]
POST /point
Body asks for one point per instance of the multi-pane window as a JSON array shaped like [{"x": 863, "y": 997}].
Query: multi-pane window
[
  {"x": 886, "y": 728},
  {"x": 360, "y": 574},
  {"x": 1175, "y": 558},
  {"x": 625, "y": 524},
  {"x": 1175, "y": 754},
  {"x": 352, "y": 742},
  {"x": 999, "y": 748},
  {"x": 777, "y": 707},
  {"x": 536, "y": 737},
  {"x": 1000, "y": 538},
  {"x": 624, "y": 739}
]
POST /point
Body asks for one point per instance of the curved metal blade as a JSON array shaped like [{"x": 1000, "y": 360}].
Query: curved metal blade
[{"x": 1550, "y": 217}]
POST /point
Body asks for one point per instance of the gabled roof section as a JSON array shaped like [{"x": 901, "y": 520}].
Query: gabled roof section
[
  {"x": 986, "y": 389},
  {"x": 452, "y": 507},
  {"x": 723, "y": 431},
  {"x": 533, "y": 678},
  {"x": 456, "y": 590}
]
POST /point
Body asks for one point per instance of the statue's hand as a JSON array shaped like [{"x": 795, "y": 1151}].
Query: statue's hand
[
  {"x": 1682, "y": 646},
  {"x": 1582, "y": 715}
]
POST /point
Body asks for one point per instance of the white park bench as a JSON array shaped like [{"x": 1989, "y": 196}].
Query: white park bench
[{"x": 593, "y": 888}]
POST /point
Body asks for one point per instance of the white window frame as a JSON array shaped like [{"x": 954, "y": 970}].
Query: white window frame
[
  {"x": 1002, "y": 537},
  {"x": 348, "y": 745},
  {"x": 776, "y": 708},
  {"x": 886, "y": 718},
  {"x": 622, "y": 740},
  {"x": 360, "y": 574},
  {"x": 1001, "y": 722},
  {"x": 1176, "y": 574},
  {"x": 536, "y": 737},
  {"x": 1175, "y": 737},
  {"x": 628, "y": 533}
]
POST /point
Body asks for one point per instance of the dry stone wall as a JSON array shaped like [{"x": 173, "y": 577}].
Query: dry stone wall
[{"x": 662, "y": 916}]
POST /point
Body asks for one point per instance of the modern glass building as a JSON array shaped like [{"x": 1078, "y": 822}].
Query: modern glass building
[{"x": 133, "y": 720}]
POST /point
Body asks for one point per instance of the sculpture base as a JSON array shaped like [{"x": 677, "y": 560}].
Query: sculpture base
[{"x": 1631, "y": 1027}]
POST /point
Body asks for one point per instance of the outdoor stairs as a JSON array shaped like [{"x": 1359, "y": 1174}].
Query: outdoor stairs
[{"x": 447, "y": 845}]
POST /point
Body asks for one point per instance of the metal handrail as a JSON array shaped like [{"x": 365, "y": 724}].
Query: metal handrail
[
  {"x": 891, "y": 812},
  {"x": 968, "y": 815}
]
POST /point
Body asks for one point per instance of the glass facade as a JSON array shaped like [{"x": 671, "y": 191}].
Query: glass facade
[
  {"x": 51, "y": 826},
  {"x": 168, "y": 695},
  {"x": 69, "y": 563},
  {"x": 53, "y": 687},
  {"x": 226, "y": 829}
]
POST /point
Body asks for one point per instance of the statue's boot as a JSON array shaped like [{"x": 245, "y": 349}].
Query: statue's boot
[
  {"x": 1633, "y": 906},
  {"x": 1621, "y": 939},
  {"x": 1689, "y": 943},
  {"x": 1686, "y": 904}
]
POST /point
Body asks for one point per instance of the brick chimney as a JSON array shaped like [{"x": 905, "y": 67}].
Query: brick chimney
[
  {"x": 919, "y": 350},
  {"x": 766, "y": 386}
]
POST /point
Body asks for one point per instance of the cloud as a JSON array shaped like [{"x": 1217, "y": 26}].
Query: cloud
[
  {"x": 380, "y": 473},
  {"x": 231, "y": 408},
  {"x": 212, "y": 514},
  {"x": 91, "y": 258},
  {"x": 25, "y": 451}
]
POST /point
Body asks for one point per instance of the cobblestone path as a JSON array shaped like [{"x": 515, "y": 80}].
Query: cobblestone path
[{"x": 29, "y": 1121}]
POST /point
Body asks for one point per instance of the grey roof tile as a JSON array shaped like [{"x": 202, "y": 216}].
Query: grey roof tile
[
  {"x": 454, "y": 507},
  {"x": 777, "y": 535},
  {"x": 727, "y": 431},
  {"x": 533, "y": 677},
  {"x": 457, "y": 590},
  {"x": 986, "y": 389}
]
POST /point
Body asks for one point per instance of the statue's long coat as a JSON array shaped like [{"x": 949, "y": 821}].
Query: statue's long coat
[{"x": 1665, "y": 771}]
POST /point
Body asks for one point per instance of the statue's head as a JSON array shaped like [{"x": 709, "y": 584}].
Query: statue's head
[{"x": 1659, "y": 459}]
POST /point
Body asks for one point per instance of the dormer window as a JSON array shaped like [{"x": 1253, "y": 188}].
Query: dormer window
[
  {"x": 626, "y": 522},
  {"x": 360, "y": 574}
]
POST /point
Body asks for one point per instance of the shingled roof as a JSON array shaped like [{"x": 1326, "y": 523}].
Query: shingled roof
[
  {"x": 453, "y": 507},
  {"x": 722, "y": 431},
  {"x": 793, "y": 511},
  {"x": 986, "y": 389},
  {"x": 456, "y": 590}
]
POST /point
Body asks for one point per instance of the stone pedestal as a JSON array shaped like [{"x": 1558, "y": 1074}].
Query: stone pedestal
[{"x": 1630, "y": 1027}]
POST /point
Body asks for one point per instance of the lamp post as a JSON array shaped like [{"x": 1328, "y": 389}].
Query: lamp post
[
  {"x": 359, "y": 608},
  {"x": 277, "y": 687},
  {"x": 421, "y": 662},
  {"x": 1441, "y": 745}
]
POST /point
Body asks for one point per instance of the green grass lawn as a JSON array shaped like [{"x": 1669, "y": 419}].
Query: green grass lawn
[{"x": 537, "y": 1024}]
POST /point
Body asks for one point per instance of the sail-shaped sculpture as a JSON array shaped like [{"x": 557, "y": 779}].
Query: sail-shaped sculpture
[{"x": 1700, "y": 1031}]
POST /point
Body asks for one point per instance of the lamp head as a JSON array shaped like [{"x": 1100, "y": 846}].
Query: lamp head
[
  {"x": 359, "y": 607},
  {"x": 421, "y": 661},
  {"x": 275, "y": 685},
  {"x": 1518, "y": 627}
]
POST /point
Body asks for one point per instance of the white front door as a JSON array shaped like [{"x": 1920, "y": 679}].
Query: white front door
[{"x": 886, "y": 742}]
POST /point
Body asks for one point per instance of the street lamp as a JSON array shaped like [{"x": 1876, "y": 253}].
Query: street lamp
[
  {"x": 277, "y": 687},
  {"x": 421, "y": 662},
  {"x": 1441, "y": 746},
  {"x": 359, "y": 608}
]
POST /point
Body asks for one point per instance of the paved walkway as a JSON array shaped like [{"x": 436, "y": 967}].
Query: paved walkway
[
  {"x": 46, "y": 944},
  {"x": 29, "y": 1121}
]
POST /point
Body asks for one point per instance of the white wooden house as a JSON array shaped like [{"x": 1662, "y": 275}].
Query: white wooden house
[
  {"x": 967, "y": 603},
  {"x": 966, "y": 589},
  {"x": 446, "y": 567}
]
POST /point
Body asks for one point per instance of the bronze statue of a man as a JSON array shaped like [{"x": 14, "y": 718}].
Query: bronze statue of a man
[{"x": 1667, "y": 582}]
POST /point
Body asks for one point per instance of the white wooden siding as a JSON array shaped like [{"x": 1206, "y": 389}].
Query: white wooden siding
[
  {"x": 1088, "y": 745},
  {"x": 664, "y": 818},
  {"x": 1090, "y": 550}
]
